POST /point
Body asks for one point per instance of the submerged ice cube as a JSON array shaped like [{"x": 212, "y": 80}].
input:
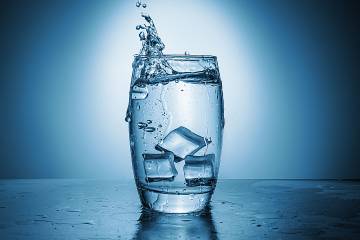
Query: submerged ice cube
[
  {"x": 139, "y": 92},
  {"x": 182, "y": 142},
  {"x": 199, "y": 170},
  {"x": 199, "y": 159},
  {"x": 159, "y": 167}
]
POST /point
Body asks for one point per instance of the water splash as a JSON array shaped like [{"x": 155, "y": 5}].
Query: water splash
[
  {"x": 151, "y": 42},
  {"x": 154, "y": 67}
]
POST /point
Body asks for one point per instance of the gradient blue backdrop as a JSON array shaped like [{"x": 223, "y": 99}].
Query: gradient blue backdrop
[{"x": 289, "y": 70}]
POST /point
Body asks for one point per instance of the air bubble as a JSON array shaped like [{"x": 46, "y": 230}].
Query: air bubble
[
  {"x": 142, "y": 125},
  {"x": 149, "y": 129}
]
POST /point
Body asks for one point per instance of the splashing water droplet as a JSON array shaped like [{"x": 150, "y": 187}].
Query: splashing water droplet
[
  {"x": 142, "y": 36},
  {"x": 138, "y": 4},
  {"x": 187, "y": 53},
  {"x": 128, "y": 116},
  {"x": 138, "y": 27},
  {"x": 144, "y": 5}
]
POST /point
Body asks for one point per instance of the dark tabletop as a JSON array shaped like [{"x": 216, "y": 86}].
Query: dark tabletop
[{"x": 240, "y": 209}]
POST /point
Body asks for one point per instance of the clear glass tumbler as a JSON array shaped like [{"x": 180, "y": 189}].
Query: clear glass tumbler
[{"x": 176, "y": 121}]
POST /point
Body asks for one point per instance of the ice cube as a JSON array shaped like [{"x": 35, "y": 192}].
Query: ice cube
[
  {"x": 199, "y": 170},
  {"x": 182, "y": 142},
  {"x": 159, "y": 167},
  {"x": 199, "y": 159},
  {"x": 139, "y": 92}
]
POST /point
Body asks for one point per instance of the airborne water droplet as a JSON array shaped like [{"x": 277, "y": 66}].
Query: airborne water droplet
[
  {"x": 148, "y": 121},
  {"x": 144, "y": 5},
  {"x": 138, "y": 27},
  {"x": 138, "y": 4}
]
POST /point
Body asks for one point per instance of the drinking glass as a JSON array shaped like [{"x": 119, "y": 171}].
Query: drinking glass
[{"x": 176, "y": 122}]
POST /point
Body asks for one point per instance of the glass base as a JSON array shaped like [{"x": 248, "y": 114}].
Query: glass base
[{"x": 174, "y": 203}]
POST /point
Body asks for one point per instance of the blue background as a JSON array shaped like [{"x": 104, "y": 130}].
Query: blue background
[{"x": 290, "y": 72}]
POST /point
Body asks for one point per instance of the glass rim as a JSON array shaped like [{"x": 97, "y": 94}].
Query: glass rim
[{"x": 177, "y": 56}]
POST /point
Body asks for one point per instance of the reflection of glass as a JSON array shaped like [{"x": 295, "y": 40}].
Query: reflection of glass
[
  {"x": 176, "y": 124},
  {"x": 176, "y": 226}
]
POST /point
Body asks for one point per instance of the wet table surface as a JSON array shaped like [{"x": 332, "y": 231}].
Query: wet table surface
[{"x": 240, "y": 209}]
